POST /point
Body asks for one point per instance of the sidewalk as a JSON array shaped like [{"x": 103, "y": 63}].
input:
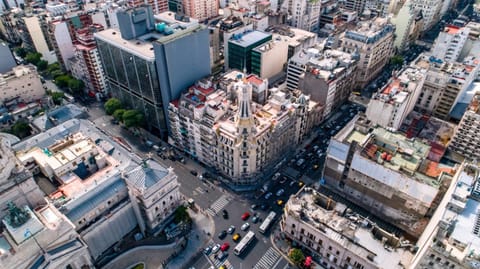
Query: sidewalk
[{"x": 203, "y": 228}]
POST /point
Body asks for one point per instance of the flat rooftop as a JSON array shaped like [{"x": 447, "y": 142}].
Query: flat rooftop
[
  {"x": 358, "y": 235},
  {"x": 248, "y": 38}
]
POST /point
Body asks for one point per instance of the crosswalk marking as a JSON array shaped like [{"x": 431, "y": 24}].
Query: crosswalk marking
[
  {"x": 217, "y": 263},
  {"x": 218, "y": 205},
  {"x": 268, "y": 260},
  {"x": 199, "y": 190}
]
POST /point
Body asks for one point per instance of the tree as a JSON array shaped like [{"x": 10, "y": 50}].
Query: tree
[
  {"x": 76, "y": 85},
  {"x": 21, "y": 52},
  {"x": 21, "y": 129},
  {"x": 132, "y": 118},
  {"x": 111, "y": 105},
  {"x": 181, "y": 215},
  {"x": 62, "y": 81},
  {"x": 53, "y": 67},
  {"x": 397, "y": 60},
  {"x": 296, "y": 255},
  {"x": 42, "y": 65},
  {"x": 57, "y": 97},
  {"x": 118, "y": 114},
  {"x": 33, "y": 57}
]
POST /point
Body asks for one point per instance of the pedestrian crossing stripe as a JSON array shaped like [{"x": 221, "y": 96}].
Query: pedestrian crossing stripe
[
  {"x": 218, "y": 205},
  {"x": 268, "y": 260}
]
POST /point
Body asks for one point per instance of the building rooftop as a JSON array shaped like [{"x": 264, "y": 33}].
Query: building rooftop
[
  {"x": 293, "y": 36},
  {"x": 58, "y": 116},
  {"x": 370, "y": 31},
  {"x": 399, "y": 88},
  {"x": 458, "y": 71},
  {"x": 360, "y": 236},
  {"x": 146, "y": 175},
  {"x": 248, "y": 38}
]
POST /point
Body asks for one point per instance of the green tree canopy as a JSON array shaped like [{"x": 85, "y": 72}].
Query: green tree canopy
[
  {"x": 76, "y": 85},
  {"x": 33, "y": 57},
  {"x": 21, "y": 52},
  {"x": 57, "y": 97},
  {"x": 21, "y": 129},
  {"x": 296, "y": 255},
  {"x": 397, "y": 60},
  {"x": 132, "y": 118},
  {"x": 62, "y": 81},
  {"x": 111, "y": 105},
  {"x": 42, "y": 65},
  {"x": 53, "y": 67},
  {"x": 118, "y": 114},
  {"x": 181, "y": 215}
]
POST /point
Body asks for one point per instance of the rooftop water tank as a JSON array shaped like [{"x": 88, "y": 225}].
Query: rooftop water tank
[{"x": 160, "y": 27}]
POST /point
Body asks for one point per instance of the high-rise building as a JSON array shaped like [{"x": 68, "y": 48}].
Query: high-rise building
[
  {"x": 354, "y": 5},
  {"x": 269, "y": 58},
  {"x": 386, "y": 173},
  {"x": 303, "y": 14},
  {"x": 35, "y": 27},
  {"x": 240, "y": 47},
  {"x": 200, "y": 10},
  {"x": 158, "y": 6},
  {"x": 235, "y": 130},
  {"x": 466, "y": 138},
  {"x": 390, "y": 106},
  {"x": 89, "y": 66},
  {"x": 430, "y": 11},
  {"x": 373, "y": 41},
  {"x": 145, "y": 61},
  {"x": 451, "y": 239},
  {"x": 449, "y": 43},
  {"x": 444, "y": 84},
  {"x": 8, "y": 62},
  {"x": 327, "y": 77},
  {"x": 408, "y": 26}
]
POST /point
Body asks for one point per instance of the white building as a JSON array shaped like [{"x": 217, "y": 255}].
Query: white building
[
  {"x": 319, "y": 224},
  {"x": 430, "y": 10},
  {"x": 466, "y": 138},
  {"x": 39, "y": 39},
  {"x": 407, "y": 23},
  {"x": 63, "y": 40},
  {"x": 391, "y": 104},
  {"x": 303, "y": 14},
  {"x": 269, "y": 58},
  {"x": 297, "y": 39},
  {"x": 449, "y": 43},
  {"x": 22, "y": 82},
  {"x": 56, "y": 8}
]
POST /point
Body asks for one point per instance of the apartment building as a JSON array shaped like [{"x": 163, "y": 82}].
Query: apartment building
[
  {"x": 303, "y": 14},
  {"x": 158, "y": 6},
  {"x": 451, "y": 239},
  {"x": 86, "y": 64},
  {"x": 373, "y": 41},
  {"x": 269, "y": 58},
  {"x": 354, "y": 5},
  {"x": 297, "y": 39},
  {"x": 444, "y": 83},
  {"x": 240, "y": 48},
  {"x": 35, "y": 27},
  {"x": 408, "y": 25},
  {"x": 21, "y": 82},
  {"x": 391, "y": 105},
  {"x": 138, "y": 60},
  {"x": 337, "y": 237},
  {"x": 449, "y": 43},
  {"x": 230, "y": 129},
  {"x": 388, "y": 174},
  {"x": 200, "y": 10},
  {"x": 466, "y": 139},
  {"x": 430, "y": 11},
  {"x": 103, "y": 189},
  {"x": 327, "y": 76}
]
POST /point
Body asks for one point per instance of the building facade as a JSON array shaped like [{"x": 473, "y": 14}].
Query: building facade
[
  {"x": 269, "y": 58},
  {"x": 387, "y": 174},
  {"x": 200, "y": 10},
  {"x": 158, "y": 6},
  {"x": 240, "y": 48},
  {"x": 145, "y": 62},
  {"x": 430, "y": 10},
  {"x": 466, "y": 140},
  {"x": 390, "y": 106},
  {"x": 449, "y": 43},
  {"x": 303, "y": 14},
  {"x": 238, "y": 137},
  {"x": 373, "y": 41}
]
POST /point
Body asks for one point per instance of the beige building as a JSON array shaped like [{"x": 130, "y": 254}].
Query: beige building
[
  {"x": 338, "y": 238},
  {"x": 452, "y": 238},
  {"x": 466, "y": 140},
  {"x": 430, "y": 11},
  {"x": 390, "y": 106},
  {"x": 229, "y": 130},
  {"x": 22, "y": 82},
  {"x": 35, "y": 26},
  {"x": 408, "y": 25},
  {"x": 444, "y": 84},
  {"x": 200, "y": 10},
  {"x": 270, "y": 58},
  {"x": 386, "y": 173},
  {"x": 373, "y": 41},
  {"x": 303, "y": 14}
]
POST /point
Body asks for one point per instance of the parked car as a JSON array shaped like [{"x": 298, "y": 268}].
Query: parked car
[
  {"x": 245, "y": 216},
  {"x": 207, "y": 250},
  {"x": 193, "y": 172},
  {"x": 280, "y": 192},
  {"x": 222, "y": 234},
  {"x": 225, "y": 214},
  {"x": 268, "y": 195},
  {"x": 216, "y": 248},
  {"x": 255, "y": 219},
  {"x": 236, "y": 237},
  {"x": 254, "y": 206},
  {"x": 225, "y": 246},
  {"x": 222, "y": 255},
  {"x": 231, "y": 229},
  {"x": 280, "y": 202},
  {"x": 245, "y": 226}
]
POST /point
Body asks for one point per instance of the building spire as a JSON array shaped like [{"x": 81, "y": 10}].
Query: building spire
[{"x": 245, "y": 111}]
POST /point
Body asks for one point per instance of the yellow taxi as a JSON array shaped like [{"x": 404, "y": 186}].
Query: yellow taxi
[
  {"x": 236, "y": 237},
  {"x": 300, "y": 184},
  {"x": 279, "y": 202},
  {"x": 315, "y": 166}
]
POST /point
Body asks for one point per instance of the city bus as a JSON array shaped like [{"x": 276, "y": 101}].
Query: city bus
[
  {"x": 267, "y": 222},
  {"x": 246, "y": 241}
]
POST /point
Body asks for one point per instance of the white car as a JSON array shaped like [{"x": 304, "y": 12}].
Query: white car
[
  {"x": 245, "y": 226},
  {"x": 280, "y": 192},
  {"x": 268, "y": 195},
  {"x": 231, "y": 229},
  {"x": 216, "y": 248}
]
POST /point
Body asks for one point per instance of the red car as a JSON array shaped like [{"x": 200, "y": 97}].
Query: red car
[
  {"x": 245, "y": 216},
  {"x": 225, "y": 246}
]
